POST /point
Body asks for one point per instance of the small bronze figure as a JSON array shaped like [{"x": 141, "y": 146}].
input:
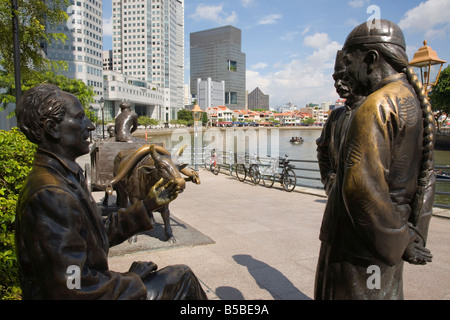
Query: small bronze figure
[
  {"x": 126, "y": 123},
  {"x": 58, "y": 224},
  {"x": 381, "y": 199}
]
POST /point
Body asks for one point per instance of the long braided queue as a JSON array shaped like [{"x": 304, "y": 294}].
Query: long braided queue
[{"x": 422, "y": 204}]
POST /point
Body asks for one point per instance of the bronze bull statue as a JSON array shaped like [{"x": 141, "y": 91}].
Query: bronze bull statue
[{"x": 136, "y": 172}]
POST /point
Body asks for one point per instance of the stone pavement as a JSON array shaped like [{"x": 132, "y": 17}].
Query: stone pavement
[{"x": 265, "y": 242}]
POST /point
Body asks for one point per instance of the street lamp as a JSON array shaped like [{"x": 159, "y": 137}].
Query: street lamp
[
  {"x": 197, "y": 113},
  {"x": 429, "y": 65},
  {"x": 102, "y": 102}
]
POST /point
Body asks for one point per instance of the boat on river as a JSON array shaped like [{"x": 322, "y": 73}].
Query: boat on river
[{"x": 296, "y": 140}]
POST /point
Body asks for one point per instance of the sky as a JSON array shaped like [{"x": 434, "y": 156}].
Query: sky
[{"x": 291, "y": 45}]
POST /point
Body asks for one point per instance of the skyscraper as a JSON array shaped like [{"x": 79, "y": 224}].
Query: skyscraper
[
  {"x": 83, "y": 48},
  {"x": 148, "y": 43},
  {"x": 216, "y": 54},
  {"x": 258, "y": 100}
]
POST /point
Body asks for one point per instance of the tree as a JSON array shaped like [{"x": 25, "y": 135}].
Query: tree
[
  {"x": 440, "y": 93},
  {"x": 440, "y": 96},
  {"x": 36, "y": 18}
]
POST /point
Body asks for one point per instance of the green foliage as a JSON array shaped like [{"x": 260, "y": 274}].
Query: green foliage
[
  {"x": 188, "y": 117},
  {"x": 440, "y": 94},
  {"x": 147, "y": 121},
  {"x": 78, "y": 88},
  {"x": 16, "y": 158},
  {"x": 34, "y": 16}
]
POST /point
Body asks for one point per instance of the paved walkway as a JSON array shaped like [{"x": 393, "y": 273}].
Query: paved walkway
[{"x": 266, "y": 242}]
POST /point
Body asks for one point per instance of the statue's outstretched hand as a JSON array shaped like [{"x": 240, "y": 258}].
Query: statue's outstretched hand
[
  {"x": 416, "y": 253},
  {"x": 160, "y": 195}
]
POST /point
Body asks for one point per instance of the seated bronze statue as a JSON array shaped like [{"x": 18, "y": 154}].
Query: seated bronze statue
[
  {"x": 126, "y": 123},
  {"x": 58, "y": 224}
]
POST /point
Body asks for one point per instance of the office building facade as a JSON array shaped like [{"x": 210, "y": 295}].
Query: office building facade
[
  {"x": 83, "y": 48},
  {"x": 216, "y": 54},
  {"x": 258, "y": 100},
  {"x": 148, "y": 44}
]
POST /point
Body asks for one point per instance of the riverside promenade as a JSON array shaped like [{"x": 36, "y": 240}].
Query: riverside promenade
[{"x": 262, "y": 244}]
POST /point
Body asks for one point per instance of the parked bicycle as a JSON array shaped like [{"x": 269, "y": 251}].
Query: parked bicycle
[
  {"x": 251, "y": 171},
  {"x": 212, "y": 162},
  {"x": 286, "y": 177}
]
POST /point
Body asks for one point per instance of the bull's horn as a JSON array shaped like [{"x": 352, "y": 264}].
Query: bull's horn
[
  {"x": 126, "y": 166},
  {"x": 162, "y": 150},
  {"x": 181, "y": 150},
  {"x": 129, "y": 164}
]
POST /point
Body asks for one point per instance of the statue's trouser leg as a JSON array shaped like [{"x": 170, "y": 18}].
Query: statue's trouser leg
[{"x": 176, "y": 282}]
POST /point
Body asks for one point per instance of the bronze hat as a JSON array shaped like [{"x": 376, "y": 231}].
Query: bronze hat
[{"x": 376, "y": 31}]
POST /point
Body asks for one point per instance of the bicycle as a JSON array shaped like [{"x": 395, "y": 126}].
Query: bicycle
[
  {"x": 252, "y": 172},
  {"x": 212, "y": 162},
  {"x": 286, "y": 177}
]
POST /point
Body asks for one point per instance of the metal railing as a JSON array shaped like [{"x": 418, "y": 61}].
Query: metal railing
[{"x": 308, "y": 174}]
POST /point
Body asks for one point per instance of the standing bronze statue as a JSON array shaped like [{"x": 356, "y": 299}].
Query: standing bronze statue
[
  {"x": 126, "y": 123},
  {"x": 58, "y": 225},
  {"x": 380, "y": 201}
]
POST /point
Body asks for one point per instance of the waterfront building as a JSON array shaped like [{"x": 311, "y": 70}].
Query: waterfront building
[
  {"x": 146, "y": 98},
  {"x": 210, "y": 93},
  {"x": 148, "y": 44},
  {"x": 83, "y": 48},
  {"x": 258, "y": 100},
  {"x": 216, "y": 54}
]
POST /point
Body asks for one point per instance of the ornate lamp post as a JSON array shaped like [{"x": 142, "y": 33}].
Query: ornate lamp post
[
  {"x": 197, "y": 113},
  {"x": 429, "y": 65}
]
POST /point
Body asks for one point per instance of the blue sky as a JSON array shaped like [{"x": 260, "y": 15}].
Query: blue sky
[{"x": 290, "y": 45}]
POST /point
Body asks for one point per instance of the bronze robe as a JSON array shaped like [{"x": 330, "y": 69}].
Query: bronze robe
[{"x": 366, "y": 219}]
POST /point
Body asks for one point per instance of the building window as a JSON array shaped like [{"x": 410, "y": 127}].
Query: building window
[
  {"x": 232, "y": 65},
  {"x": 231, "y": 98}
]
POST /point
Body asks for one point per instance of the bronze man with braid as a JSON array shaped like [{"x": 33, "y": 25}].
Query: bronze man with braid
[{"x": 383, "y": 192}]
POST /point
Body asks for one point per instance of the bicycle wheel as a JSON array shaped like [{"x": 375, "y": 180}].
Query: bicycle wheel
[
  {"x": 254, "y": 174},
  {"x": 289, "y": 180},
  {"x": 215, "y": 168},
  {"x": 268, "y": 180},
  {"x": 241, "y": 172},
  {"x": 207, "y": 163}
]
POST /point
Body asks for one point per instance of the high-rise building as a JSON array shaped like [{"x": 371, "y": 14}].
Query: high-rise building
[
  {"x": 258, "y": 100},
  {"x": 216, "y": 54},
  {"x": 83, "y": 48},
  {"x": 148, "y": 44}
]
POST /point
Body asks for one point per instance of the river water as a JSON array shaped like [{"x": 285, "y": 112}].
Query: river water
[{"x": 263, "y": 142}]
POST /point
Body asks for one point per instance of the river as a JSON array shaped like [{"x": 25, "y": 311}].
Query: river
[{"x": 272, "y": 141}]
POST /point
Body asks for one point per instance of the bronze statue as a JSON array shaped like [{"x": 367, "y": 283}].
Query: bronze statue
[
  {"x": 329, "y": 142},
  {"x": 381, "y": 199},
  {"x": 126, "y": 123},
  {"x": 152, "y": 163},
  {"x": 58, "y": 224}
]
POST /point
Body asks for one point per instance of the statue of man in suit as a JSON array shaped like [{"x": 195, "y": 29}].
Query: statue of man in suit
[{"x": 58, "y": 225}]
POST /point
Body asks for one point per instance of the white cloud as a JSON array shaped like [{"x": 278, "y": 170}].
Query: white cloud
[
  {"x": 247, "y": 3},
  {"x": 305, "y": 31},
  {"x": 214, "y": 13},
  {"x": 289, "y": 36},
  {"x": 357, "y": 3},
  {"x": 270, "y": 19},
  {"x": 259, "y": 65},
  {"x": 316, "y": 41},
  {"x": 301, "y": 80},
  {"x": 431, "y": 18},
  {"x": 107, "y": 27}
]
